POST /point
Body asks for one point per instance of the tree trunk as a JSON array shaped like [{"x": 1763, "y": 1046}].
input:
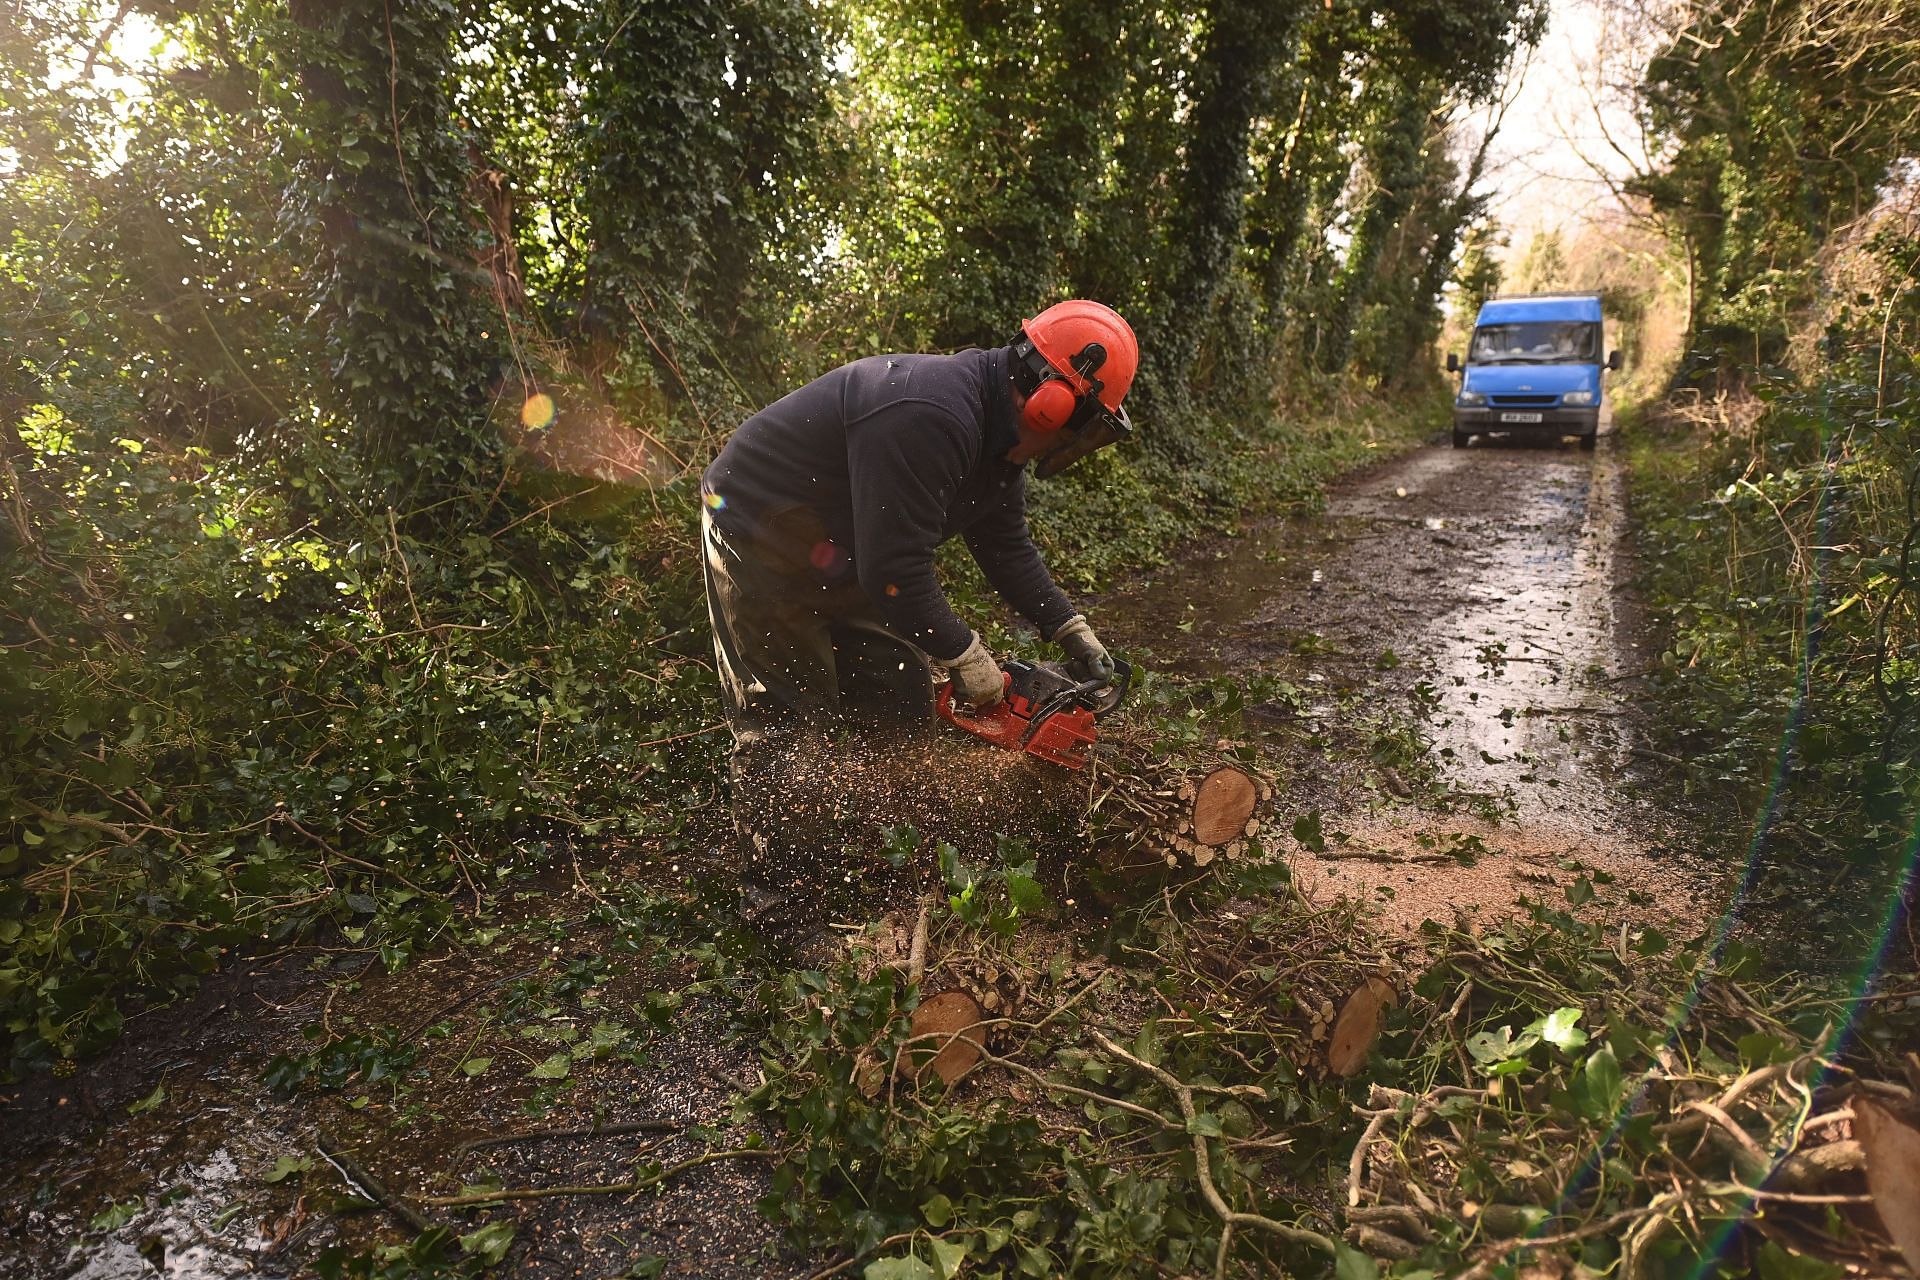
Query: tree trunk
[
  {"x": 385, "y": 184},
  {"x": 1396, "y": 166},
  {"x": 1245, "y": 44}
]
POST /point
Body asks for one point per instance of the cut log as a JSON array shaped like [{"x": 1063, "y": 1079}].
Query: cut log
[
  {"x": 1148, "y": 825},
  {"x": 1892, "y": 1148},
  {"x": 1222, "y": 804},
  {"x": 949, "y": 1032},
  {"x": 1358, "y": 1025}
]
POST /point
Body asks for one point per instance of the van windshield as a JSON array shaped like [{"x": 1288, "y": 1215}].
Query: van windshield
[{"x": 1536, "y": 342}]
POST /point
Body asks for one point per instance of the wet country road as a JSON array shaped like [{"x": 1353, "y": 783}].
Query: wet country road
[{"x": 1472, "y": 599}]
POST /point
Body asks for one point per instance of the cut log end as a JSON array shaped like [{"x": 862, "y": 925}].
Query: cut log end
[
  {"x": 1223, "y": 804},
  {"x": 1358, "y": 1026},
  {"x": 949, "y": 1030},
  {"x": 1892, "y": 1148}
]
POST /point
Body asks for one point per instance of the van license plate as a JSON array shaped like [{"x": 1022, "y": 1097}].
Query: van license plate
[{"x": 1519, "y": 417}]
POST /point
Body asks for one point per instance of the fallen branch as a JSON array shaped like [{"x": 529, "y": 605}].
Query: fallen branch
[
  {"x": 357, "y": 1176},
  {"x": 1203, "y": 1170},
  {"x": 1487, "y": 1258},
  {"x": 604, "y": 1189}
]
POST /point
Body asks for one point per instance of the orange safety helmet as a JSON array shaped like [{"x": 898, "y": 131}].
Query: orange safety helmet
[{"x": 1079, "y": 358}]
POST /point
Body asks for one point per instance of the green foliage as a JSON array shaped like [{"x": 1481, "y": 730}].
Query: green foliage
[
  {"x": 432, "y": 1255},
  {"x": 1780, "y": 125},
  {"x": 311, "y": 626},
  {"x": 360, "y": 1058},
  {"x": 984, "y": 1182},
  {"x": 1791, "y": 655}
]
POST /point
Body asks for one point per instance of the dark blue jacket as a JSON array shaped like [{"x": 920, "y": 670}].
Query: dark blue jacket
[{"x": 864, "y": 471}]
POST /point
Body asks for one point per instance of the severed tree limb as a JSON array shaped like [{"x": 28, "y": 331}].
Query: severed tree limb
[
  {"x": 917, "y": 949},
  {"x": 1357, "y": 1162}
]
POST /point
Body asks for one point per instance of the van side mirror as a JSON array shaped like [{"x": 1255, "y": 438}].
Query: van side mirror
[
  {"x": 1453, "y": 362},
  {"x": 1614, "y": 361}
]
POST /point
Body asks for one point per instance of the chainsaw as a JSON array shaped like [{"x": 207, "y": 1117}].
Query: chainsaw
[{"x": 1045, "y": 712}]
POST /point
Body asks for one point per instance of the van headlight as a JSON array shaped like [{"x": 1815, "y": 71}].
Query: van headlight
[
  {"x": 1470, "y": 398},
  {"x": 1577, "y": 397}
]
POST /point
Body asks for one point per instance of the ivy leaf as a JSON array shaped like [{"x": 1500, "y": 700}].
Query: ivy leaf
[
  {"x": 907, "y": 1268},
  {"x": 607, "y": 1035},
  {"x": 1492, "y": 1046},
  {"x": 1558, "y": 1029},
  {"x": 1351, "y": 1264},
  {"x": 938, "y": 1211},
  {"x": 286, "y": 1166},
  {"x": 1024, "y": 891},
  {"x": 1306, "y": 829},
  {"x": 1146, "y": 1045},
  {"x": 1597, "y": 1091},
  {"x": 475, "y": 1066},
  {"x": 558, "y": 1067},
  {"x": 148, "y": 1103},
  {"x": 1205, "y": 1124},
  {"x": 491, "y": 1242},
  {"x": 948, "y": 1255}
]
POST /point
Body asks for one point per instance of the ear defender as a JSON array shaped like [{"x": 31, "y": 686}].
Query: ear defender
[{"x": 1050, "y": 407}]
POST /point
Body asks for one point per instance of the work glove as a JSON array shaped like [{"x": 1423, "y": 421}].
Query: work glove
[
  {"x": 1087, "y": 658},
  {"x": 977, "y": 679}
]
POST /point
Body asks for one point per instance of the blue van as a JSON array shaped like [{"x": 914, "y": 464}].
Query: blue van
[{"x": 1533, "y": 369}]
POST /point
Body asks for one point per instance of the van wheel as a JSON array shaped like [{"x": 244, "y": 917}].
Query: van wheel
[
  {"x": 1460, "y": 438},
  {"x": 1588, "y": 442}
]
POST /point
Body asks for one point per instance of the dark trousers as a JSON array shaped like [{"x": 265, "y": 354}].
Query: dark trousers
[{"x": 811, "y": 680}]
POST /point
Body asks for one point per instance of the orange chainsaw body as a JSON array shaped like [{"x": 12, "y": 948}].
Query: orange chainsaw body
[{"x": 1045, "y": 712}]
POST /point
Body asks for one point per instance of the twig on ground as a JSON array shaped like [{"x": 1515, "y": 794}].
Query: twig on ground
[
  {"x": 357, "y": 1176},
  {"x": 543, "y": 1135},
  {"x": 605, "y": 1189}
]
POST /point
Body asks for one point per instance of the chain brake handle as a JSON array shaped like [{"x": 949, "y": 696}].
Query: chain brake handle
[{"x": 1097, "y": 696}]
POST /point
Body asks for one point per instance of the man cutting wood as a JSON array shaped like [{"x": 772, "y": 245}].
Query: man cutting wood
[{"x": 821, "y": 518}]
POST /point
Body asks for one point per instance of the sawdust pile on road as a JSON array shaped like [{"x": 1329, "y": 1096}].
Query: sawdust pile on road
[{"x": 1462, "y": 870}]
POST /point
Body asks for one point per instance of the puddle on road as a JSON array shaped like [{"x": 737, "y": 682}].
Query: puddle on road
[{"x": 182, "y": 1195}]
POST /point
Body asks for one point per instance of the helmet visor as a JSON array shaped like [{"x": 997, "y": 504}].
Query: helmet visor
[{"x": 1100, "y": 430}]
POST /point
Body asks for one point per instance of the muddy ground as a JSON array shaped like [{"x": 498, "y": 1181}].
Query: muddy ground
[{"x": 1443, "y": 671}]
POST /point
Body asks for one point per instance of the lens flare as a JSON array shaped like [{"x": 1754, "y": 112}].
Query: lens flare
[
  {"x": 537, "y": 412},
  {"x": 715, "y": 501}
]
